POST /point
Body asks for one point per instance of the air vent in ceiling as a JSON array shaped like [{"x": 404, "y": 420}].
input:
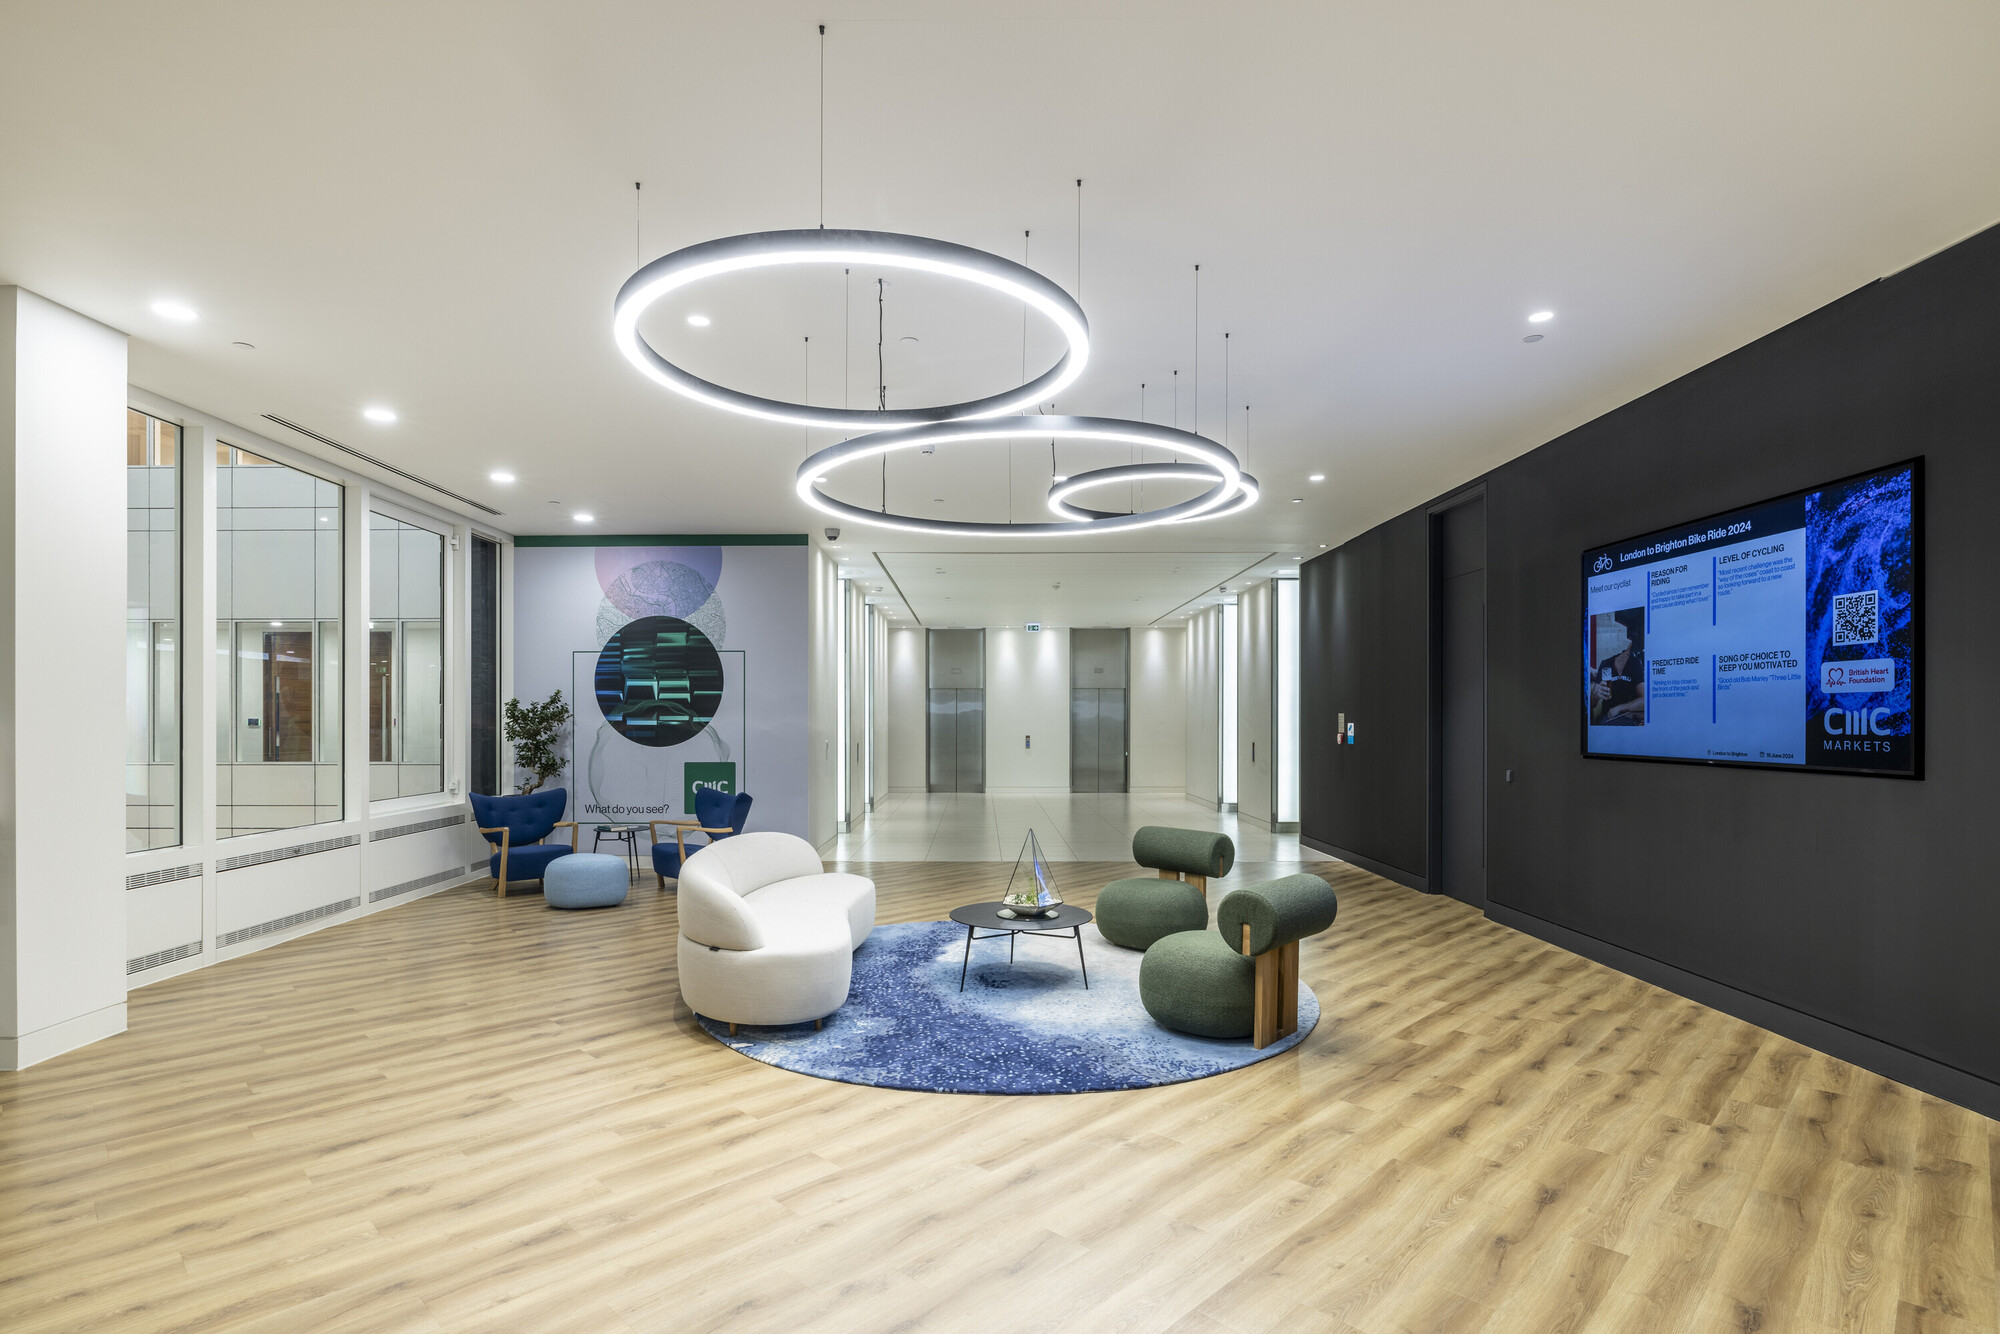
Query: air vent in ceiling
[{"x": 311, "y": 434}]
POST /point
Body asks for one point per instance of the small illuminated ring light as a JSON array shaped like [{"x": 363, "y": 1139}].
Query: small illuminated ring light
[
  {"x": 1243, "y": 498},
  {"x": 1212, "y": 463},
  {"x": 764, "y": 250}
]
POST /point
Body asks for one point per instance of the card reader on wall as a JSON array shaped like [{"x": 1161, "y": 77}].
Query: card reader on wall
[{"x": 1027, "y": 743}]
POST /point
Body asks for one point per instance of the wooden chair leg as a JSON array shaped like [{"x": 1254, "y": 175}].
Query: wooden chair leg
[
  {"x": 1288, "y": 990},
  {"x": 663, "y": 881},
  {"x": 1264, "y": 1003},
  {"x": 732, "y": 1030},
  {"x": 816, "y": 1025}
]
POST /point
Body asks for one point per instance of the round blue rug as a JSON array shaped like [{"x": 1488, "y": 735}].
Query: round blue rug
[{"x": 1028, "y": 1028}]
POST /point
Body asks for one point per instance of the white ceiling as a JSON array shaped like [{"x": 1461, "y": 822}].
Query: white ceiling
[
  {"x": 1074, "y": 586},
  {"x": 431, "y": 206}
]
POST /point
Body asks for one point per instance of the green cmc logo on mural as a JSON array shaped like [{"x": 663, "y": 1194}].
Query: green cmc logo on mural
[{"x": 718, "y": 775}]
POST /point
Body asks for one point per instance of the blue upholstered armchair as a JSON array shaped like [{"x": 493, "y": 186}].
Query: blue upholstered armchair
[
  {"x": 516, "y": 826},
  {"x": 716, "y": 815}
]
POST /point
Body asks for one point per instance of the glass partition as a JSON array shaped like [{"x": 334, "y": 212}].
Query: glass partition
[
  {"x": 405, "y": 659},
  {"x": 152, "y": 634},
  {"x": 278, "y": 677}
]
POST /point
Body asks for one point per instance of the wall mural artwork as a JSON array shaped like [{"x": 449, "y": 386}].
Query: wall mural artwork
[
  {"x": 663, "y": 696},
  {"x": 659, "y": 681}
]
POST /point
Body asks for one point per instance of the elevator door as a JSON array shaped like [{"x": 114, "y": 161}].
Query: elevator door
[
  {"x": 1096, "y": 740},
  {"x": 957, "y": 741}
]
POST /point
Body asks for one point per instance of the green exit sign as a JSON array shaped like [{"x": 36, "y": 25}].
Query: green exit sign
[{"x": 717, "y": 775}]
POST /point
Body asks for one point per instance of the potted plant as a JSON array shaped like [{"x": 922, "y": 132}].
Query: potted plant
[{"x": 536, "y": 731}]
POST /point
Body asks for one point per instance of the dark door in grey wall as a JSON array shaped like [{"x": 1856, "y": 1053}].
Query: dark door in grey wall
[{"x": 1461, "y": 595}]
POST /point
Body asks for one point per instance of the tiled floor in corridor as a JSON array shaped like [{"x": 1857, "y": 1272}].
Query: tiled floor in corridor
[{"x": 965, "y": 827}]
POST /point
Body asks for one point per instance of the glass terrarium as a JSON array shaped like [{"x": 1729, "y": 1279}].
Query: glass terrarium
[{"x": 1031, "y": 889}]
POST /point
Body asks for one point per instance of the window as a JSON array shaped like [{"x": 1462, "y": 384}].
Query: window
[
  {"x": 405, "y": 659},
  {"x": 152, "y": 634},
  {"x": 278, "y": 677}
]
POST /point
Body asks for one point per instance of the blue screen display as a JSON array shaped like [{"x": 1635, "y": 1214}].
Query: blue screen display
[{"x": 1782, "y": 634}]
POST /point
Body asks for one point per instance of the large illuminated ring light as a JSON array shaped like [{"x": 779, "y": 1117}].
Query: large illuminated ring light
[
  {"x": 764, "y": 250},
  {"x": 1231, "y": 491},
  {"x": 1128, "y": 473}
]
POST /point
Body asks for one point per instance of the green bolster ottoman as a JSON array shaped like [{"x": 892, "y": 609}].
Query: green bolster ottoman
[
  {"x": 1193, "y": 982},
  {"x": 1135, "y": 913},
  {"x": 1277, "y": 912},
  {"x": 1184, "y": 851}
]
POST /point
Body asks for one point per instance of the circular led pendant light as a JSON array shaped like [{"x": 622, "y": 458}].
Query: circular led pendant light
[
  {"x": 1125, "y": 474},
  {"x": 1216, "y": 464},
  {"x": 765, "y": 250}
]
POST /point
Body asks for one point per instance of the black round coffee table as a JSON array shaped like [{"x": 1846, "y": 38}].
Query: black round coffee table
[{"x": 977, "y": 916}]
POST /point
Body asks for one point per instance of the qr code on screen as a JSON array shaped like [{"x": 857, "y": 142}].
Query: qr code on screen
[{"x": 1857, "y": 618}]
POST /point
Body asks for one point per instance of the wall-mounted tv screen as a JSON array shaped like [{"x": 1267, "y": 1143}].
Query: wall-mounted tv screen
[{"x": 1783, "y": 634}]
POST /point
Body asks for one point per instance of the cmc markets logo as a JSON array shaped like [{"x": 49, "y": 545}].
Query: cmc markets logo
[
  {"x": 1603, "y": 563},
  {"x": 1856, "y": 722}
]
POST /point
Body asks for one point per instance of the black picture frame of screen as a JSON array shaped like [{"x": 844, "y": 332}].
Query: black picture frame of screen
[{"x": 1915, "y": 467}]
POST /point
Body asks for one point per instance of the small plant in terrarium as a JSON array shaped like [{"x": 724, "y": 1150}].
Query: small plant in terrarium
[{"x": 1031, "y": 889}]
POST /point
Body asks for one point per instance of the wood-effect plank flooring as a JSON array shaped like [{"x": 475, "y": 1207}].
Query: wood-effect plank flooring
[{"x": 468, "y": 1114}]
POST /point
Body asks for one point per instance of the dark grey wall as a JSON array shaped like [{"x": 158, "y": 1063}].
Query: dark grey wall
[
  {"x": 1859, "y": 907},
  {"x": 1357, "y": 656}
]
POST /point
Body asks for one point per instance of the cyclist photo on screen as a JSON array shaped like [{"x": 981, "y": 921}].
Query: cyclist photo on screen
[{"x": 1618, "y": 676}]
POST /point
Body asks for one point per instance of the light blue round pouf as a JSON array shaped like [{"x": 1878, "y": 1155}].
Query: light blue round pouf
[{"x": 586, "y": 880}]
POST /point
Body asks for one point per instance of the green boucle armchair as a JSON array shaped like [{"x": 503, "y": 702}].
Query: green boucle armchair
[{"x": 1242, "y": 979}]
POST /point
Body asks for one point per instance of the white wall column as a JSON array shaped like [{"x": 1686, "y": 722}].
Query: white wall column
[
  {"x": 1256, "y": 703},
  {"x": 1203, "y": 677},
  {"x": 823, "y": 650},
  {"x": 1285, "y": 707},
  {"x": 1159, "y": 710},
  {"x": 878, "y": 707},
  {"x": 62, "y": 679},
  {"x": 855, "y": 632},
  {"x": 906, "y": 703}
]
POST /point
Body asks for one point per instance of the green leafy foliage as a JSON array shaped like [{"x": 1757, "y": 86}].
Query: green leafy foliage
[{"x": 536, "y": 731}]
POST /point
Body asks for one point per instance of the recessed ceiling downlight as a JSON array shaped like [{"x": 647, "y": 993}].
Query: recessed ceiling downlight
[
  {"x": 1541, "y": 317},
  {"x": 502, "y": 477},
  {"x": 379, "y": 415},
  {"x": 698, "y": 321},
  {"x": 584, "y": 518},
  {"x": 180, "y": 312}
]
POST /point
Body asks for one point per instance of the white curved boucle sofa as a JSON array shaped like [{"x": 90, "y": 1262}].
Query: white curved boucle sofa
[{"x": 768, "y": 934}]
